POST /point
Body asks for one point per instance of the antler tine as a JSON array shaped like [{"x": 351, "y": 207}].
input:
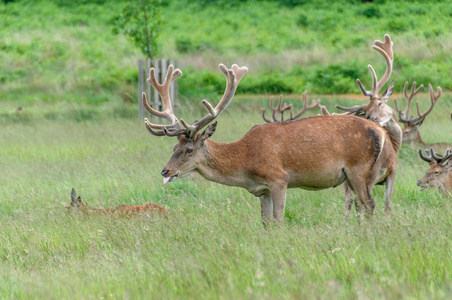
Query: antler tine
[
  {"x": 263, "y": 111},
  {"x": 386, "y": 50},
  {"x": 306, "y": 107},
  {"x": 428, "y": 158},
  {"x": 404, "y": 115},
  {"x": 284, "y": 108},
  {"x": 277, "y": 110},
  {"x": 434, "y": 98},
  {"x": 324, "y": 111},
  {"x": 441, "y": 159},
  {"x": 263, "y": 116},
  {"x": 446, "y": 157},
  {"x": 354, "y": 110},
  {"x": 233, "y": 77},
  {"x": 372, "y": 94},
  {"x": 163, "y": 90},
  {"x": 435, "y": 156}
]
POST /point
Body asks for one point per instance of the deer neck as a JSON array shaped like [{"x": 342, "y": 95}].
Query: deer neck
[
  {"x": 395, "y": 132},
  {"x": 223, "y": 163},
  {"x": 412, "y": 137},
  {"x": 87, "y": 209},
  {"x": 446, "y": 185}
]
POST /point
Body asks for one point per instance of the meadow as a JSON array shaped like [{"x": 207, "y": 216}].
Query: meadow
[
  {"x": 213, "y": 245},
  {"x": 69, "y": 119}
]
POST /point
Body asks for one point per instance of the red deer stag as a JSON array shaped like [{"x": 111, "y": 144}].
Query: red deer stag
[
  {"x": 127, "y": 210},
  {"x": 312, "y": 153},
  {"x": 411, "y": 135},
  {"x": 439, "y": 175},
  {"x": 379, "y": 111}
]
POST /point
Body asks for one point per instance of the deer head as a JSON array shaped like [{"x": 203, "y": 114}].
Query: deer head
[
  {"x": 377, "y": 110},
  {"x": 191, "y": 148},
  {"x": 439, "y": 175},
  {"x": 76, "y": 203}
]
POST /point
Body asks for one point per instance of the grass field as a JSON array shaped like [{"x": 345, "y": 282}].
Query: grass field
[{"x": 213, "y": 245}]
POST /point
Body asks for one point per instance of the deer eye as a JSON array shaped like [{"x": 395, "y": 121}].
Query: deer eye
[
  {"x": 380, "y": 104},
  {"x": 188, "y": 150},
  {"x": 436, "y": 173}
]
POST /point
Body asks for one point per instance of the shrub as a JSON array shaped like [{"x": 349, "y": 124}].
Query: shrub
[
  {"x": 371, "y": 12},
  {"x": 184, "y": 45},
  {"x": 265, "y": 84},
  {"x": 302, "y": 20}
]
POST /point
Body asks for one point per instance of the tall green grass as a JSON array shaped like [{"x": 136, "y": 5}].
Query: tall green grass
[{"x": 213, "y": 245}]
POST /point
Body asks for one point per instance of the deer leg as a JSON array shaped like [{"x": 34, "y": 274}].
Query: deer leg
[
  {"x": 389, "y": 189},
  {"x": 360, "y": 187},
  {"x": 348, "y": 199},
  {"x": 278, "y": 195},
  {"x": 266, "y": 208}
]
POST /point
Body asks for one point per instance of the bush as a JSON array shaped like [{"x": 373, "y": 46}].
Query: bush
[
  {"x": 268, "y": 84},
  {"x": 336, "y": 78},
  {"x": 184, "y": 45},
  {"x": 292, "y": 3},
  {"x": 371, "y": 12},
  {"x": 302, "y": 20}
]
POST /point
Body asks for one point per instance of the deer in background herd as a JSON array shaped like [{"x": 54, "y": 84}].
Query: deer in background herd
[
  {"x": 312, "y": 153},
  {"x": 411, "y": 135},
  {"x": 279, "y": 111},
  {"x": 439, "y": 175},
  {"x": 380, "y": 112},
  {"x": 127, "y": 210}
]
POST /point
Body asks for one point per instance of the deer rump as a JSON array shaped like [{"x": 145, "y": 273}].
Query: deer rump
[{"x": 317, "y": 152}]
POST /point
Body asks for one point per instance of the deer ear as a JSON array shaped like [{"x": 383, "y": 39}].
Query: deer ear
[
  {"x": 449, "y": 166},
  {"x": 210, "y": 130},
  {"x": 73, "y": 195},
  {"x": 388, "y": 92}
]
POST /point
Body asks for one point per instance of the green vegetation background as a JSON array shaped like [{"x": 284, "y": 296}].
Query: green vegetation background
[
  {"x": 75, "y": 81},
  {"x": 67, "y": 50}
]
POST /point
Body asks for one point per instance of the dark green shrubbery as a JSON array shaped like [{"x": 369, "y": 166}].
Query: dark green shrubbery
[
  {"x": 371, "y": 12},
  {"x": 265, "y": 84}
]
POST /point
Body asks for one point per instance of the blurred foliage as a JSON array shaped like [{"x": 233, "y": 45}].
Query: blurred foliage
[
  {"x": 141, "y": 21},
  {"x": 291, "y": 45}
]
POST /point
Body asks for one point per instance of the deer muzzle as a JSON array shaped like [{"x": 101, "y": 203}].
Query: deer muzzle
[{"x": 166, "y": 177}]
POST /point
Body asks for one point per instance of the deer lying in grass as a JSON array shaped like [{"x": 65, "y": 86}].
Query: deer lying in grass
[
  {"x": 411, "y": 135},
  {"x": 439, "y": 175},
  {"x": 312, "y": 153},
  {"x": 128, "y": 210}
]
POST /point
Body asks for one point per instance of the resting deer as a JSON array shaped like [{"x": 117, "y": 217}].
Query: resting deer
[
  {"x": 379, "y": 111},
  {"x": 439, "y": 175},
  {"x": 148, "y": 208},
  {"x": 312, "y": 153},
  {"x": 411, "y": 135}
]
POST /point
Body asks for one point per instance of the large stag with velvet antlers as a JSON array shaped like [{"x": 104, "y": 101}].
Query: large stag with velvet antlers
[
  {"x": 378, "y": 110},
  {"x": 312, "y": 153}
]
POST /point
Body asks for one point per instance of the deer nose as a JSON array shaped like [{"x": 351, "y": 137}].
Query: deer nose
[
  {"x": 164, "y": 173},
  {"x": 418, "y": 183}
]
